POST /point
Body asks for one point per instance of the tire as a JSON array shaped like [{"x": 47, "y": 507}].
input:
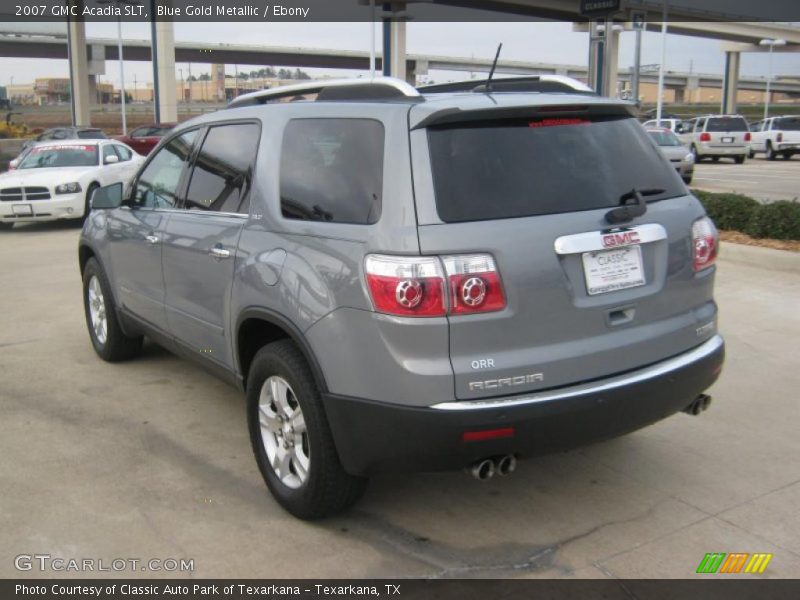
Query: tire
[
  {"x": 687, "y": 180},
  {"x": 715, "y": 158},
  {"x": 751, "y": 154},
  {"x": 87, "y": 204},
  {"x": 784, "y": 156},
  {"x": 110, "y": 343},
  {"x": 697, "y": 157},
  {"x": 309, "y": 482},
  {"x": 771, "y": 154},
  {"x": 6, "y": 226},
  {"x": 739, "y": 160}
]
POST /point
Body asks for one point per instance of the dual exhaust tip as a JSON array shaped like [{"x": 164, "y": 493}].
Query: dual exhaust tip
[
  {"x": 698, "y": 405},
  {"x": 486, "y": 468}
]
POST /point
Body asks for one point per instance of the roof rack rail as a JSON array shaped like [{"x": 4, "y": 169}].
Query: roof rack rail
[
  {"x": 530, "y": 83},
  {"x": 378, "y": 88}
]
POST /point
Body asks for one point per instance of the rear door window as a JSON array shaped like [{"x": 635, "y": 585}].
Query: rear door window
[
  {"x": 332, "y": 170},
  {"x": 223, "y": 169},
  {"x": 500, "y": 170},
  {"x": 726, "y": 124}
]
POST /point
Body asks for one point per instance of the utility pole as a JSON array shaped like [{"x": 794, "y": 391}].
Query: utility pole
[
  {"x": 660, "y": 104},
  {"x": 121, "y": 78}
]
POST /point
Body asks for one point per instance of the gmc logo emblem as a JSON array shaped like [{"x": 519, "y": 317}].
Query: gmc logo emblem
[{"x": 612, "y": 240}]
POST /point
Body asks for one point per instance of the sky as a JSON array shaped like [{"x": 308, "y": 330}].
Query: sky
[{"x": 540, "y": 42}]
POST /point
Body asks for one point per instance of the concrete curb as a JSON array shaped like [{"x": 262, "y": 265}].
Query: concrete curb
[{"x": 764, "y": 258}]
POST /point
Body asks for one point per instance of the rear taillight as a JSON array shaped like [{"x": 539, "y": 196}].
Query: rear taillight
[
  {"x": 747, "y": 137},
  {"x": 705, "y": 137},
  {"x": 406, "y": 286},
  {"x": 474, "y": 284},
  {"x": 414, "y": 286},
  {"x": 778, "y": 137},
  {"x": 704, "y": 243}
]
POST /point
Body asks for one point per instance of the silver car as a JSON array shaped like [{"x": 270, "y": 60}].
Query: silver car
[
  {"x": 674, "y": 151},
  {"x": 402, "y": 279}
]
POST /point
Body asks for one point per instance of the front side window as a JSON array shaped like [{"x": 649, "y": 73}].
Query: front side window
[
  {"x": 44, "y": 156},
  {"x": 108, "y": 151},
  {"x": 157, "y": 186},
  {"x": 223, "y": 169},
  {"x": 665, "y": 138},
  {"x": 522, "y": 168},
  {"x": 123, "y": 152},
  {"x": 332, "y": 170}
]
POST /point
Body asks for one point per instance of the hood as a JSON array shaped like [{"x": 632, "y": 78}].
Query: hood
[{"x": 43, "y": 177}]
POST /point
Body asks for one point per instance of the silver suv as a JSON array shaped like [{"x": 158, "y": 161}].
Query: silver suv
[
  {"x": 405, "y": 279},
  {"x": 717, "y": 136}
]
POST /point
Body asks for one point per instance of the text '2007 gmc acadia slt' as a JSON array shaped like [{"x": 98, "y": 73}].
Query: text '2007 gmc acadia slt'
[{"x": 405, "y": 279}]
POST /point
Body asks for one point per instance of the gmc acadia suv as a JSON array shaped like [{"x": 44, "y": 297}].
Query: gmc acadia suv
[{"x": 407, "y": 279}]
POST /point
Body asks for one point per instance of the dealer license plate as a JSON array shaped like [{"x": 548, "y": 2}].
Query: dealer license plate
[
  {"x": 612, "y": 270},
  {"x": 22, "y": 209}
]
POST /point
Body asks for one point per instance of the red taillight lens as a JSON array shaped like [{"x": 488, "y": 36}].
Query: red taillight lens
[
  {"x": 475, "y": 285},
  {"x": 778, "y": 137},
  {"x": 406, "y": 286},
  {"x": 487, "y": 434},
  {"x": 704, "y": 243},
  {"x": 747, "y": 137},
  {"x": 705, "y": 137}
]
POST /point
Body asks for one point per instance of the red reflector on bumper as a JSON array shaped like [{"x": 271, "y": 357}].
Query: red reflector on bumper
[{"x": 487, "y": 434}]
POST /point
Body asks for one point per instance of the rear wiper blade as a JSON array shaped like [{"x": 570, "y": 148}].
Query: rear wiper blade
[{"x": 627, "y": 212}]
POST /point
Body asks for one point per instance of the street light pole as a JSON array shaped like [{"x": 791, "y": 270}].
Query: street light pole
[
  {"x": 771, "y": 44},
  {"x": 660, "y": 104},
  {"x": 121, "y": 78}
]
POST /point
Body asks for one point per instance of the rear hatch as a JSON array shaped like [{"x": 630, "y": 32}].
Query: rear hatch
[
  {"x": 584, "y": 299},
  {"x": 789, "y": 128},
  {"x": 727, "y": 132}
]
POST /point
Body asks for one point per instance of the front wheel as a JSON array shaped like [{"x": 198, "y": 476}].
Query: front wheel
[
  {"x": 697, "y": 157},
  {"x": 108, "y": 339},
  {"x": 739, "y": 160},
  {"x": 291, "y": 438}
]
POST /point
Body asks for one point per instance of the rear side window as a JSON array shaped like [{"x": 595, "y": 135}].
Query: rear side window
[
  {"x": 223, "y": 169},
  {"x": 787, "y": 124},
  {"x": 724, "y": 124},
  {"x": 91, "y": 134},
  {"x": 123, "y": 152},
  {"x": 500, "y": 170},
  {"x": 332, "y": 170}
]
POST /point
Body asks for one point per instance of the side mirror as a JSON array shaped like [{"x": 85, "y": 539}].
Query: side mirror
[
  {"x": 13, "y": 164},
  {"x": 110, "y": 160},
  {"x": 109, "y": 196}
]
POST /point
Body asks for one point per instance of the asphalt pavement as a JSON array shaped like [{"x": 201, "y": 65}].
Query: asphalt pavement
[
  {"x": 150, "y": 459},
  {"x": 757, "y": 177}
]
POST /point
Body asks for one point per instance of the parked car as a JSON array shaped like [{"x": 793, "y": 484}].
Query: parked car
[
  {"x": 67, "y": 133},
  {"x": 144, "y": 139},
  {"x": 674, "y": 151},
  {"x": 776, "y": 136},
  {"x": 413, "y": 280},
  {"x": 675, "y": 125},
  {"x": 718, "y": 136},
  {"x": 56, "y": 180}
]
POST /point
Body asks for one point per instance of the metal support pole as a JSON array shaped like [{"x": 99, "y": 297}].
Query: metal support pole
[
  {"x": 637, "y": 66},
  {"x": 660, "y": 104},
  {"x": 121, "y": 78},
  {"x": 154, "y": 45},
  {"x": 387, "y": 47},
  {"x": 372, "y": 39},
  {"x": 769, "y": 80}
]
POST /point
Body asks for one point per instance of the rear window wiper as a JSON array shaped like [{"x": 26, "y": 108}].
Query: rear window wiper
[{"x": 627, "y": 212}]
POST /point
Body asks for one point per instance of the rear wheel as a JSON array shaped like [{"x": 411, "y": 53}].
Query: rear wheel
[
  {"x": 785, "y": 156},
  {"x": 697, "y": 157},
  {"x": 771, "y": 155},
  {"x": 108, "y": 339},
  {"x": 6, "y": 226},
  {"x": 739, "y": 159},
  {"x": 687, "y": 179},
  {"x": 290, "y": 436}
]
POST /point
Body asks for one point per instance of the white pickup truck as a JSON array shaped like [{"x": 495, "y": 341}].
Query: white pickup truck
[{"x": 776, "y": 136}]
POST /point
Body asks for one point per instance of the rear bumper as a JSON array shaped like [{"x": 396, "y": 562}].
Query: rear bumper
[{"x": 372, "y": 437}]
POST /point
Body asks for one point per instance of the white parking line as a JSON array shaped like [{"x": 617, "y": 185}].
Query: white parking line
[{"x": 726, "y": 180}]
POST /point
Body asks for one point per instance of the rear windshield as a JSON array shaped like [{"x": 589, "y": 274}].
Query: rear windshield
[
  {"x": 787, "y": 124},
  {"x": 726, "y": 124},
  {"x": 91, "y": 134},
  {"x": 508, "y": 169}
]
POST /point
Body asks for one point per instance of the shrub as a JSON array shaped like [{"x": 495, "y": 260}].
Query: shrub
[
  {"x": 777, "y": 220},
  {"x": 728, "y": 211}
]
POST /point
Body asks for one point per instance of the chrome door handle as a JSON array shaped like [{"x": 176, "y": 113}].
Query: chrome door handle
[
  {"x": 151, "y": 239},
  {"x": 218, "y": 252}
]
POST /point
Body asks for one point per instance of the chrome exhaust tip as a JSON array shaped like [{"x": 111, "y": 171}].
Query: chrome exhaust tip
[
  {"x": 698, "y": 405},
  {"x": 506, "y": 465},
  {"x": 483, "y": 470}
]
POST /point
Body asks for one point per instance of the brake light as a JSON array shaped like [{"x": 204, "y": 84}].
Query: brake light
[
  {"x": 747, "y": 137},
  {"x": 704, "y": 243},
  {"x": 407, "y": 286},
  {"x": 778, "y": 137},
  {"x": 474, "y": 284},
  {"x": 705, "y": 137}
]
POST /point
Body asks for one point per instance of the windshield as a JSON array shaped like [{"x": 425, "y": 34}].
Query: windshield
[
  {"x": 60, "y": 156},
  {"x": 787, "y": 124},
  {"x": 724, "y": 124},
  {"x": 506, "y": 169},
  {"x": 665, "y": 138}
]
